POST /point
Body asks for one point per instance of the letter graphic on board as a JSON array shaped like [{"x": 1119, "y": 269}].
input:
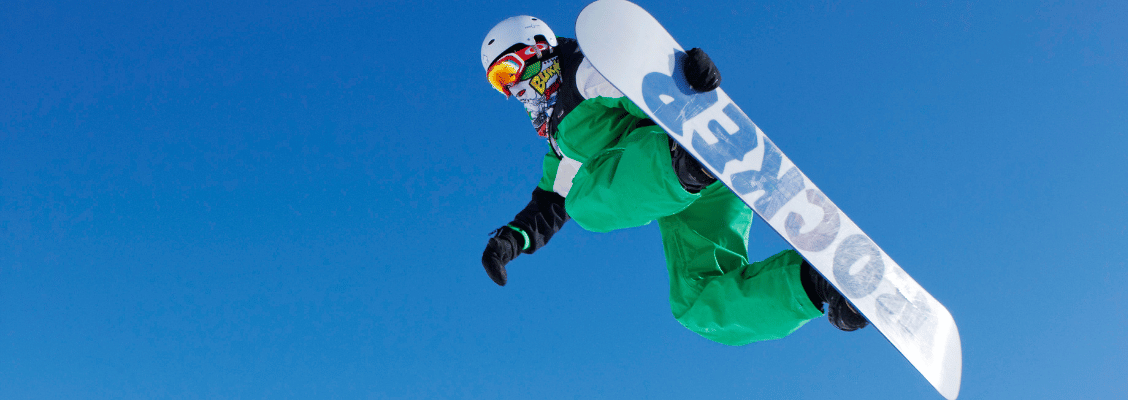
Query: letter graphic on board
[
  {"x": 823, "y": 234},
  {"x": 850, "y": 251},
  {"x": 777, "y": 190}
]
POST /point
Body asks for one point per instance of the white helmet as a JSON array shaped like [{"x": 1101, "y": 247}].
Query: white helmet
[{"x": 513, "y": 30}]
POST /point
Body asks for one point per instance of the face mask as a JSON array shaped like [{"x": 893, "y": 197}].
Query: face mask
[
  {"x": 532, "y": 75},
  {"x": 538, "y": 92}
]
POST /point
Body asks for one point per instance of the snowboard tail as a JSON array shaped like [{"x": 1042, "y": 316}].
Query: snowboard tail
[{"x": 722, "y": 137}]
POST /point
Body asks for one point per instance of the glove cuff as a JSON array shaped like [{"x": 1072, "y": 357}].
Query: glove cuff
[{"x": 524, "y": 236}]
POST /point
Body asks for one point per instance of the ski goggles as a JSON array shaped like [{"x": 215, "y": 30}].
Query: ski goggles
[{"x": 510, "y": 68}]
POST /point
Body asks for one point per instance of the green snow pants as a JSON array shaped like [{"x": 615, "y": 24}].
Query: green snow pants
[{"x": 714, "y": 290}]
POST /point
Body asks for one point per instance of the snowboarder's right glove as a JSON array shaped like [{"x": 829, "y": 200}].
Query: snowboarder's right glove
[
  {"x": 700, "y": 72},
  {"x": 505, "y": 245}
]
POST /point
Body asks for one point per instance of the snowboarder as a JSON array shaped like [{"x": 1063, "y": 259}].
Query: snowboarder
[{"x": 609, "y": 167}]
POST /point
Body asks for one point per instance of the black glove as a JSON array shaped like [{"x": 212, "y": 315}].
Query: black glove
[
  {"x": 700, "y": 72},
  {"x": 503, "y": 247}
]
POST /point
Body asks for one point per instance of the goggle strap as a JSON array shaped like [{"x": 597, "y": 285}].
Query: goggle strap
[{"x": 510, "y": 50}]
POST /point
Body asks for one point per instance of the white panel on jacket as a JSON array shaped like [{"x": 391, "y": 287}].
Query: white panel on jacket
[{"x": 592, "y": 84}]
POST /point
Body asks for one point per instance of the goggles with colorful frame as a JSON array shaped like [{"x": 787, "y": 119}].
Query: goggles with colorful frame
[{"x": 510, "y": 68}]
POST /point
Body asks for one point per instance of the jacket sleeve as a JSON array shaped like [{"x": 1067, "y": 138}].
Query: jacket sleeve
[{"x": 541, "y": 218}]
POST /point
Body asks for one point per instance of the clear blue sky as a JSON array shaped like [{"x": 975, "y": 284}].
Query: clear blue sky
[{"x": 290, "y": 200}]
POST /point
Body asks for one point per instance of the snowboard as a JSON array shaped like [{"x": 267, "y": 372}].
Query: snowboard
[{"x": 636, "y": 54}]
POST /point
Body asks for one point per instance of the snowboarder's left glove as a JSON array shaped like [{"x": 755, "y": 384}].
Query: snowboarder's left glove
[
  {"x": 700, "y": 72},
  {"x": 503, "y": 247}
]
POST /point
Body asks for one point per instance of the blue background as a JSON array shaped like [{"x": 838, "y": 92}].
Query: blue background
[{"x": 290, "y": 200}]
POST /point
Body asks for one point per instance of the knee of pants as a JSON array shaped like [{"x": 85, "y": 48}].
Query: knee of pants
[
  {"x": 596, "y": 203},
  {"x": 627, "y": 186},
  {"x": 758, "y": 301}
]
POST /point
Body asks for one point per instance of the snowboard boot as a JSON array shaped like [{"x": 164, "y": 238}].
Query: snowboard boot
[
  {"x": 838, "y": 309},
  {"x": 691, "y": 174}
]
